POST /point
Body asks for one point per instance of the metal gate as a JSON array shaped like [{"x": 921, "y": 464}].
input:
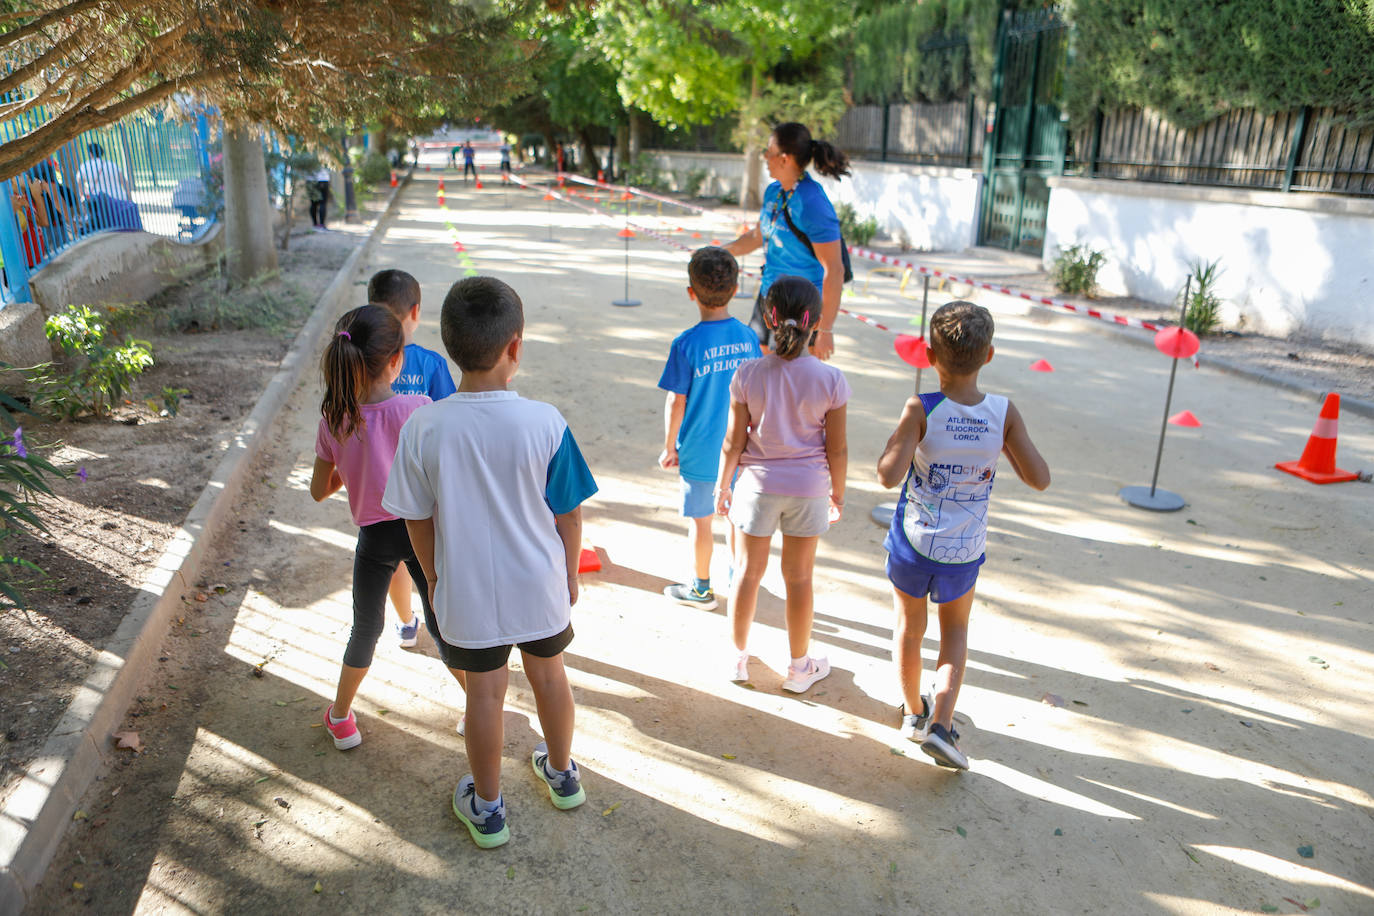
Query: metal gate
[{"x": 1029, "y": 133}]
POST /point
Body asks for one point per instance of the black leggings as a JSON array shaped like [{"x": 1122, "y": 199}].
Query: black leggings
[
  {"x": 381, "y": 548},
  {"x": 469, "y": 167}
]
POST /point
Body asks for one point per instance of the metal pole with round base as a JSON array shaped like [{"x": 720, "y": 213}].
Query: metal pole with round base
[{"x": 627, "y": 302}]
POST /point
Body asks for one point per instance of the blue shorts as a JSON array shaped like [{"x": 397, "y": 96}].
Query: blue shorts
[
  {"x": 698, "y": 498},
  {"x": 941, "y": 587}
]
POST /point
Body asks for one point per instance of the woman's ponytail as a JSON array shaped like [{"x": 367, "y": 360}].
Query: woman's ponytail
[
  {"x": 365, "y": 341},
  {"x": 792, "y": 309},
  {"x": 794, "y": 139}
]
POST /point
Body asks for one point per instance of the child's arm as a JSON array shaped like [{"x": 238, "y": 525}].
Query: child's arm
[
  {"x": 325, "y": 480},
  {"x": 421, "y": 531},
  {"x": 837, "y": 456},
  {"x": 1021, "y": 451},
  {"x": 569, "y": 526},
  {"x": 901, "y": 445},
  {"x": 673, "y": 408},
  {"x": 736, "y": 433}
]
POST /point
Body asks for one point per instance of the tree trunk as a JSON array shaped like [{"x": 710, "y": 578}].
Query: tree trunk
[
  {"x": 590, "y": 162},
  {"x": 636, "y": 137},
  {"x": 751, "y": 192},
  {"x": 247, "y": 209},
  {"x": 288, "y": 207},
  {"x": 350, "y": 195},
  {"x": 622, "y": 147}
]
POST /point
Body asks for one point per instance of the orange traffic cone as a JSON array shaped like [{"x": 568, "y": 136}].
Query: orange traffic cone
[
  {"x": 1318, "y": 461},
  {"x": 393, "y": 178},
  {"x": 441, "y": 185}
]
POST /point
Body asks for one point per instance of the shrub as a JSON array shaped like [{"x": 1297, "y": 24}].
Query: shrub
[
  {"x": 374, "y": 171},
  {"x": 23, "y": 475},
  {"x": 1075, "y": 269},
  {"x": 1202, "y": 315},
  {"x": 855, "y": 231},
  {"x": 644, "y": 173},
  {"x": 100, "y": 367},
  {"x": 695, "y": 179}
]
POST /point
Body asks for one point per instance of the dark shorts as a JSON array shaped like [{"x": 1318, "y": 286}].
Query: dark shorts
[
  {"x": 493, "y": 657},
  {"x": 941, "y": 587}
]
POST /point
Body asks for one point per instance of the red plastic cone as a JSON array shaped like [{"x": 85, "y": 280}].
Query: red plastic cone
[
  {"x": 1180, "y": 343},
  {"x": 1185, "y": 418},
  {"x": 1041, "y": 365},
  {"x": 441, "y": 185},
  {"x": 393, "y": 178},
  {"x": 588, "y": 561},
  {"x": 912, "y": 350},
  {"x": 479, "y": 185},
  {"x": 696, "y": 235},
  {"x": 626, "y": 233},
  {"x": 627, "y": 196},
  {"x": 549, "y": 196},
  {"x": 1318, "y": 461}
]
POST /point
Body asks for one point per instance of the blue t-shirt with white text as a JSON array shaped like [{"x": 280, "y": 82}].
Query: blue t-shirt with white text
[
  {"x": 701, "y": 362},
  {"x": 424, "y": 372},
  {"x": 812, "y": 213}
]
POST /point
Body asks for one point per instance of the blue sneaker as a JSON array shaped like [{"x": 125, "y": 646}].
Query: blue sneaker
[
  {"x": 409, "y": 633},
  {"x": 915, "y": 727},
  {"x": 692, "y": 596},
  {"x": 941, "y": 745},
  {"x": 488, "y": 828},
  {"x": 565, "y": 789}
]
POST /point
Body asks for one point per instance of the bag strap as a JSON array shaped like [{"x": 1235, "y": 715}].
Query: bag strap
[{"x": 806, "y": 239}]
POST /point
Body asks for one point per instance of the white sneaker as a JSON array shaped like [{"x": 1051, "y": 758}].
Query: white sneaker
[
  {"x": 462, "y": 725},
  {"x": 915, "y": 726},
  {"x": 799, "y": 680},
  {"x": 741, "y": 670}
]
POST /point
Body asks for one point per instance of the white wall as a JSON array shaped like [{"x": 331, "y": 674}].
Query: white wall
[
  {"x": 1292, "y": 263},
  {"x": 934, "y": 207}
]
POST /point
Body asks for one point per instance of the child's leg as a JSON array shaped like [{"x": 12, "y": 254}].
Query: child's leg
[
  {"x": 485, "y": 733},
  {"x": 416, "y": 574},
  {"x": 798, "y": 561},
  {"x": 553, "y": 700},
  {"x": 751, "y": 561},
  {"x": 906, "y": 646},
  {"x": 399, "y": 593},
  {"x": 701, "y": 535},
  {"x": 374, "y": 563},
  {"x": 949, "y": 671}
]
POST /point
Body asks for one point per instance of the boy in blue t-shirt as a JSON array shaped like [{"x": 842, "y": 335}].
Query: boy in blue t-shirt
[
  {"x": 423, "y": 372},
  {"x": 701, "y": 363}
]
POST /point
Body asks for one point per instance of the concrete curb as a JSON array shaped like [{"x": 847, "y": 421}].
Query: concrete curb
[
  {"x": 40, "y": 808},
  {"x": 1146, "y": 339}
]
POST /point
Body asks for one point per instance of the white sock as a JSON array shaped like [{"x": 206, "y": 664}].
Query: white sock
[
  {"x": 334, "y": 721},
  {"x": 801, "y": 664},
  {"x": 484, "y": 805}
]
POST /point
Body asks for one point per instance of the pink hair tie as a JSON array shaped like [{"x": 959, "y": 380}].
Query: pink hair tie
[{"x": 346, "y": 334}]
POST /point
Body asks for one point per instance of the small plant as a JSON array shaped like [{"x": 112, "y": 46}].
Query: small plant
[
  {"x": 263, "y": 302},
  {"x": 102, "y": 368},
  {"x": 374, "y": 171},
  {"x": 1075, "y": 269},
  {"x": 1203, "y": 312},
  {"x": 644, "y": 172},
  {"x": 695, "y": 179},
  {"x": 171, "y": 401},
  {"x": 855, "y": 231},
  {"x": 729, "y": 198}
]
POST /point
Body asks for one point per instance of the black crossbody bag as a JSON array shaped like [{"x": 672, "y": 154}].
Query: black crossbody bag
[{"x": 806, "y": 240}]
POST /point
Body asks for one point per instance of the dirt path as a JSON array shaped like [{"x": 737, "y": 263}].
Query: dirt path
[{"x": 1215, "y": 664}]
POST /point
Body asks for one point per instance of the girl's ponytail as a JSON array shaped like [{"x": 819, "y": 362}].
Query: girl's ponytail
[
  {"x": 365, "y": 341},
  {"x": 792, "y": 309}
]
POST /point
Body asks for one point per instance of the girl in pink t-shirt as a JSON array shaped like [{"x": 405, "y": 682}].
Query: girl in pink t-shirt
[
  {"x": 354, "y": 449},
  {"x": 787, "y": 438}
]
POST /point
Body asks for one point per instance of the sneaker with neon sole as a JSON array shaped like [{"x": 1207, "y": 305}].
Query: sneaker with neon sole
[
  {"x": 691, "y": 596},
  {"x": 565, "y": 788},
  {"x": 488, "y": 828},
  {"x": 799, "y": 680},
  {"x": 345, "y": 733}
]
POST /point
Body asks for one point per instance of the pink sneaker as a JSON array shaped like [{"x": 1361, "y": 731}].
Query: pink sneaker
[{"x": 346, "y": 734}]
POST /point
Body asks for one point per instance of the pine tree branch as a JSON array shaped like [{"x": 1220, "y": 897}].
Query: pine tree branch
[{"x": 25, "y": 32}]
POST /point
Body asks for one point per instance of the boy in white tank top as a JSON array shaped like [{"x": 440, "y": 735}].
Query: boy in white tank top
[{"x": 944, "y": 453}]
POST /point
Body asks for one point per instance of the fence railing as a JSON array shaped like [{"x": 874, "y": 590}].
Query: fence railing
[
  {"x": 936, "y": 133},
  {"x": 1304, "y": 150},
  {"x": 144, "y": 172}
]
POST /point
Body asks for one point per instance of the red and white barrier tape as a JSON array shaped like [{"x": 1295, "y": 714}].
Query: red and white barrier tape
[{"x": 607, "y": 186}]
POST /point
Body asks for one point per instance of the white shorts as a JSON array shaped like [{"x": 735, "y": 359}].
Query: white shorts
[{"x": 760, "y": 514}]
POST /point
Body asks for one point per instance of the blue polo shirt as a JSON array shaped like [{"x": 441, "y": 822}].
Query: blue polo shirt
[
  {"x": 812, "y": 213},
  {"x": 701, "y": 362},
  {"x": 424, "y": 372}
]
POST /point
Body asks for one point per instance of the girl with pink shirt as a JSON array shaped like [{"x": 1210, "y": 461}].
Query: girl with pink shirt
[
  {"x": 354, "y": 449},
  {"x": 786, "y": 436}
]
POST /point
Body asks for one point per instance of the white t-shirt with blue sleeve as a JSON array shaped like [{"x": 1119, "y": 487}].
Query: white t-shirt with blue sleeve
[{"x": 492, "y": 469}]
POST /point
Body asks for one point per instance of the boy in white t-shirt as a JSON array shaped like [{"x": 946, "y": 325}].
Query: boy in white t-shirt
[{"x": 490, "y": 486}]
